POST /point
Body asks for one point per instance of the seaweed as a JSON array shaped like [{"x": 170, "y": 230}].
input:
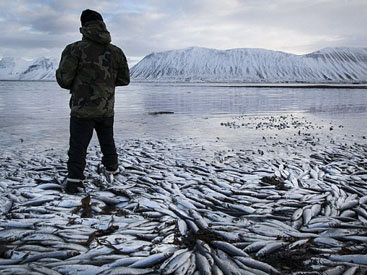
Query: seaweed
[{"x": 85, "y": 207}]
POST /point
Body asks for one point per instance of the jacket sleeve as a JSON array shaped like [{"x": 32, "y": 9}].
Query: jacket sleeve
[
  {"x": 123, "y": 74},
  {"x": 66, "y": 72}
]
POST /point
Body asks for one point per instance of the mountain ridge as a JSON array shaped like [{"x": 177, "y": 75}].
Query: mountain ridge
[{"x": 243, "y": 65}]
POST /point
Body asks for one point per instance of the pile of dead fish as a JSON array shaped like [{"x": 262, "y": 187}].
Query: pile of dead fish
[
  {"x": 281, "y": 122},
  {"x": 278, "y": 210}
]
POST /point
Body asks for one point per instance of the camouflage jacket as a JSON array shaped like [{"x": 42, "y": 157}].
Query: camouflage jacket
[{"x": 90, "y": 69}]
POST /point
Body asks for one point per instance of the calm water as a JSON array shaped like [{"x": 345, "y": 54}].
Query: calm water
[{"x": 36, "y": 113}]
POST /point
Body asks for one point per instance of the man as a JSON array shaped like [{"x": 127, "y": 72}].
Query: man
[{"x": 90, "y": 69}]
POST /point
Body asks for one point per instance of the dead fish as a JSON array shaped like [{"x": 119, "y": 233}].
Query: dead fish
[
  {"x": 335, "y": 270},
  {"x": 202, "y": 264},
  {"x": 229, "y": 248},
  {"x": 307, "y": 216},
  {"x": 128, "y": 260},
  {"x": 227, "y": 266},
  {"x": 255, "y": 246},
  {"x": 269, "y": 248},
  {"x": 324, "y": 241},
  {"x": 151, "y": 260},
  {"x": 257, "y": 265},
  {"x": 6, "y": 262},
  {"x": 50, "y": 186},
  {"x": 175, "y": 262},
  {"x": 57, "y": 255},
  {"x": 353, "y": 258},
  {"x": 15, "y": 224},
  {"x": 351, "y": 271},
  {"x": 182, "y": 227},
  {"x": 43, "y": 269}
]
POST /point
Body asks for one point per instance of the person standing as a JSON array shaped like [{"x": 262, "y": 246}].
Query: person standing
[{"x": 91, "y": 69}]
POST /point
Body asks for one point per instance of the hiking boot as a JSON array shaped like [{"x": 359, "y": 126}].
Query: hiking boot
[
  {"x": 102, "y": 169},
  {"x": 73, "y": 186}
]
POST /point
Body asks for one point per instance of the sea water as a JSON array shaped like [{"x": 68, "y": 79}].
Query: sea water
[{"x": 37, "y": 113}]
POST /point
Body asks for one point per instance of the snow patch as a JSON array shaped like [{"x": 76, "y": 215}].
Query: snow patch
[{"x": 20, "y": 69}]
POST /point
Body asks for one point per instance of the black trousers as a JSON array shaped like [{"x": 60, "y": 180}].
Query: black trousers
[{"x": 81, "y": 132}]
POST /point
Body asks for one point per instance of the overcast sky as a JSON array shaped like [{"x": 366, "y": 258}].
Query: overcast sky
[{"x": 33, "y": 28}]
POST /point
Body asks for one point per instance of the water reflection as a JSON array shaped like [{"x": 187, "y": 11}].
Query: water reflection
[{"x": 238, "y": 100}]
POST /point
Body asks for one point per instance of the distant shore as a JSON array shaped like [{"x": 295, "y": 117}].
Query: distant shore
[
  {"x": 298, "y": 85},
  {"x": 265, "y": 85}
]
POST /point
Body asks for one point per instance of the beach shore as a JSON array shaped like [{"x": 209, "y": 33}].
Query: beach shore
[{"x": 286, "y": 203}]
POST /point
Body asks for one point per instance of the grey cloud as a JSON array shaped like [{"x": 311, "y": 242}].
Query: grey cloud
[
  {"x": 313, "y": 17},
  {"x": 140, "y": 27},
  {"x": 43, "y": 19}
]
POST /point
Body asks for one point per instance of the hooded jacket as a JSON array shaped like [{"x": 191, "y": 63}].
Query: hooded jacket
[{"x": 90, "y": 69}]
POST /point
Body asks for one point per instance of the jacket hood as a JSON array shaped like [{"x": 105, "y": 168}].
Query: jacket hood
[{"x": 96, "y": 31}]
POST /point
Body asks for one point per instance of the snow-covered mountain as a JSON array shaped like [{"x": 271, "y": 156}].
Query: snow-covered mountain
[
  {"x": 11, "y": 68},
  {"x": 331, "y": 65},
  {"x": 20, "y": 69},
  {"x": 41, "y": 69}
]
